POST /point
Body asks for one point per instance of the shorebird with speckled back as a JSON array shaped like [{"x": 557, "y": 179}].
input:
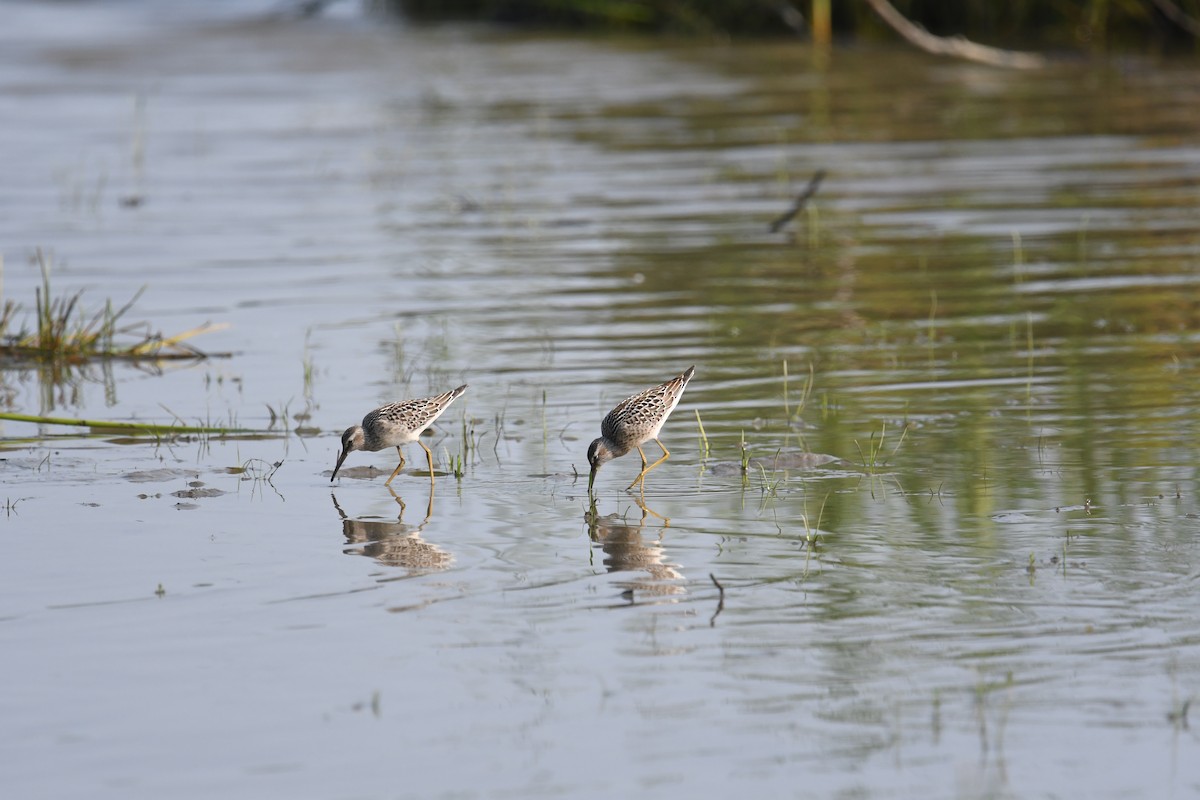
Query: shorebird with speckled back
[
  {"x": 395, "y": 425},
  {"x": 635, "y": 421}
]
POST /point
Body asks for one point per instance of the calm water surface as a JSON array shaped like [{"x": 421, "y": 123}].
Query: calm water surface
[{"x": 987, "y": 318}]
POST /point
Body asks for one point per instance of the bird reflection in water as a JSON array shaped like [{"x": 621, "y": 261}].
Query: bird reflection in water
[
  {"x": 626, "y": 550},
  {"x": 394, "y": 544}
]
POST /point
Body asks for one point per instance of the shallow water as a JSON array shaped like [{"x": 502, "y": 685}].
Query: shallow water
[{"x": 988, "y": 317}]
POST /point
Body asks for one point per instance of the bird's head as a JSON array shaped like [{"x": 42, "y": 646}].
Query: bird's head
[
  {"x": 352, "y": 439},
  {"x": 598, "y": 454}
]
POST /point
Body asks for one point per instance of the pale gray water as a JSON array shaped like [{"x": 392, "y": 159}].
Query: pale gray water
[{"x": 560, "y": 223}]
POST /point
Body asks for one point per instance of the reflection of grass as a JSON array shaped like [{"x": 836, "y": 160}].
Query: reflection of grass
[
  {"x": 258, "y": 472},
  {"x": 64, "y": 331},
  {"x": 984, "y": 689},
  {"x": 309, "y": 369},
  {"x": 1178, "y": 715}
]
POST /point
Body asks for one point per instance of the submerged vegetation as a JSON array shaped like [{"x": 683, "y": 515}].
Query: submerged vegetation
[
  {"x": 63, "y": 331},
  {"x": 64, "y": 335}
]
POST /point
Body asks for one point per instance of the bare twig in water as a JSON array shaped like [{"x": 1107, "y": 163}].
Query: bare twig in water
[
  {"x": 712, "y": 622},
  {"x": 799, "y": 202},
  {"x": 956, "y": 46},
  {"x": 1177, "y": 15}
]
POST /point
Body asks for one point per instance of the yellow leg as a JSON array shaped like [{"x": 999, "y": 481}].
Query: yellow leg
[
  {"x": 396, "y": 471},
  {"x": 642, "y": 475},
  {"x": 428, "y": 455}
]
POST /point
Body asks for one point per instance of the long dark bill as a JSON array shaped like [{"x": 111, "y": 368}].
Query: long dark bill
[
  {"x": 341, "y": 457},
  {"x": 591, "y": 479}
]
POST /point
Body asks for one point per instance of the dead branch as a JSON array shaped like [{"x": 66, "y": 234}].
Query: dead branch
[
  {"x": 956, "y": 46},
  {"x": 1176, "y": 15},
  {"x": 799, "y": 202}
]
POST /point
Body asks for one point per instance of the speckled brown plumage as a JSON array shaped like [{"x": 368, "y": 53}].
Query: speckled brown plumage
[
  {"x": 634, "y": 421},
  {"x": 394, "y": 425}
]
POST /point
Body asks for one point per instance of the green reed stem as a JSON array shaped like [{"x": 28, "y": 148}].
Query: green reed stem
[
  {"x": 703, "y": 436},
  {"x": 118, "y": 425}
]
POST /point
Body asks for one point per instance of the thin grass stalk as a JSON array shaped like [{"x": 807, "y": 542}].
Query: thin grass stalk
[{"x": 703, "y": 436}]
